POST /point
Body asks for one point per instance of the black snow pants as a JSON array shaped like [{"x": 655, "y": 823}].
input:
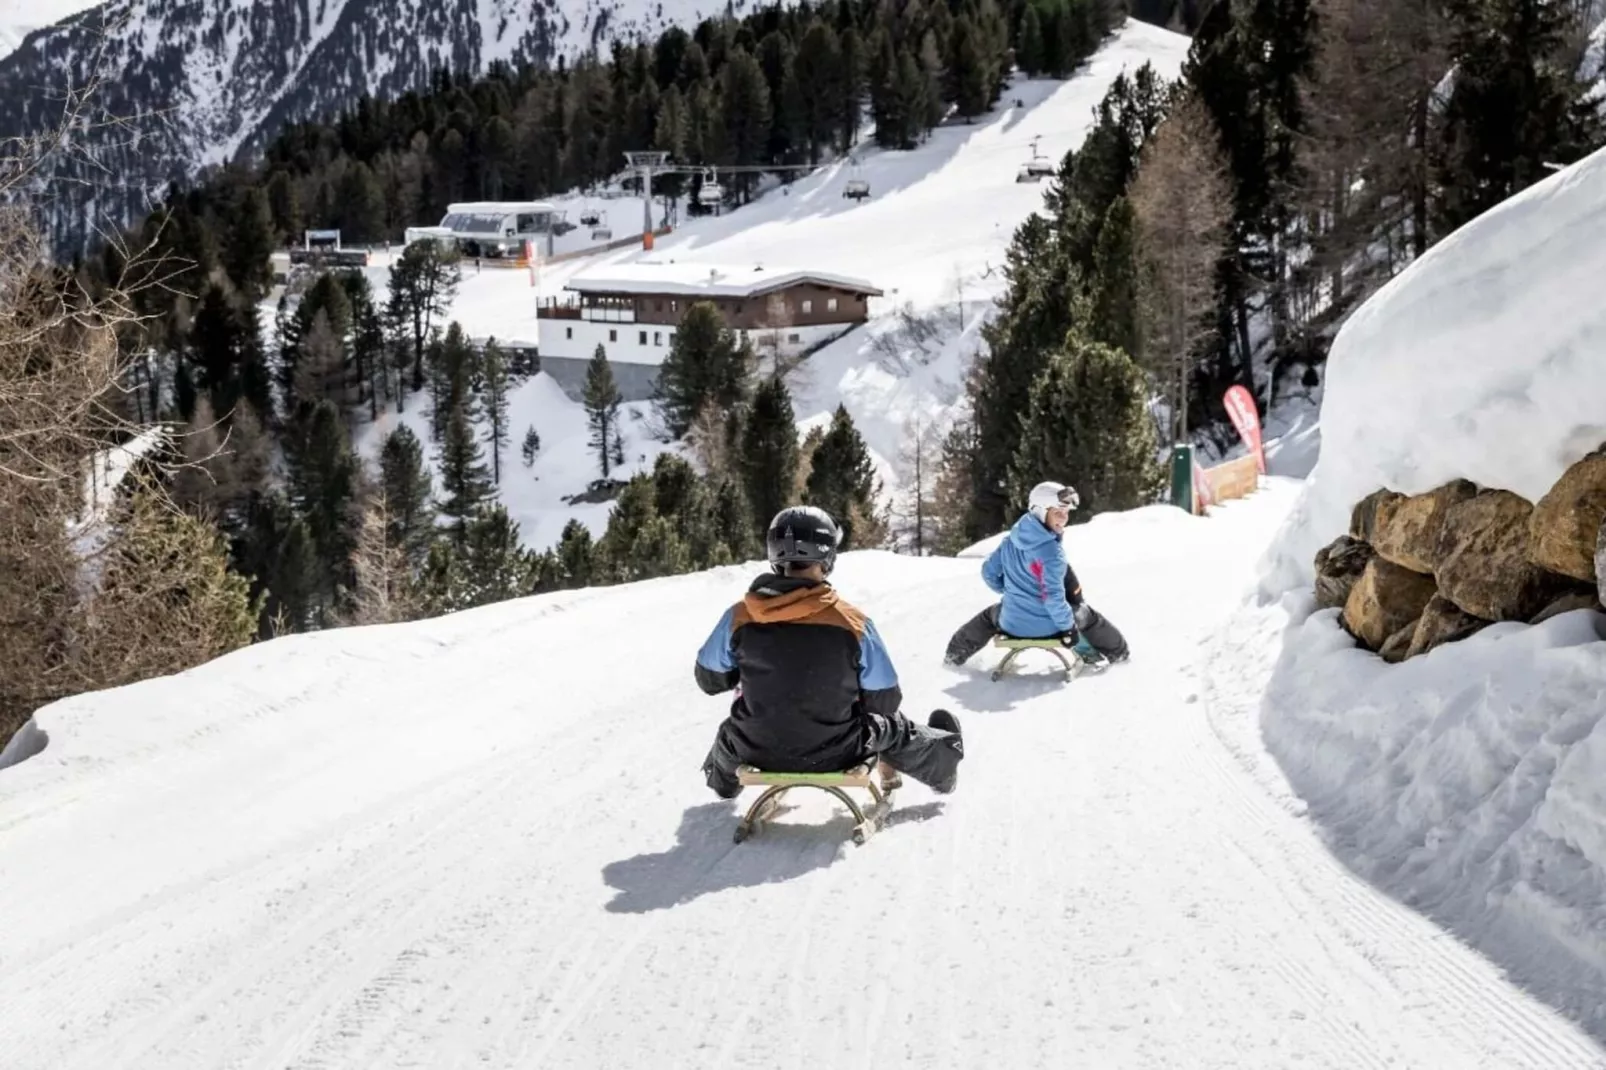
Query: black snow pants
[
  {"x": 979, "y": 630},
  {"x": 918, "y": 751}
]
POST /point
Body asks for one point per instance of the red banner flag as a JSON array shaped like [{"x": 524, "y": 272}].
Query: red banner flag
[{"x": 1241, "y": 407}]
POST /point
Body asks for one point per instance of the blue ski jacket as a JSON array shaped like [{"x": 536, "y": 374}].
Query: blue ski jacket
[{"x": 1029, "y": 569}]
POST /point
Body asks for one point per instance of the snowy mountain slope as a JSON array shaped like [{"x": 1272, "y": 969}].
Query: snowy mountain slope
[
  {"x": 932, "y": 235},
  {"x": 215, "y": 77},
  {"x": 19, "y": 18},
  {"x": 476, "y": 841}
]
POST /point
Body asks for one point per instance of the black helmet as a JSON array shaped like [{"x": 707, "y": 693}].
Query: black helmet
[{"x": 804, "y": 534}]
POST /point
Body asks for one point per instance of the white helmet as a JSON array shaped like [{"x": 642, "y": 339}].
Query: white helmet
[{"x": 1046, "y": 496}]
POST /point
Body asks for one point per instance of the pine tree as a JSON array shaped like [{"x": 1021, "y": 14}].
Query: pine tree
[
  {"x": 1029, "y": 52},
  {"x": 279, "y": 554},
  {"x": 1516, "y": 104},
  {"x": 1088, "y": 424},
  {"x": 704, "y": 366},
  {"x": 464, "y": 478},
  {"x": 733, "y": 520},
  {"x": 769, "y": 450},
  {"x": 248, "y": 252},
  {"x": 493, "y": 374},
  {"x": 325, "y": 479},
  {"x": 745, "y": 102},
  {"x": 820, "y": 76},
  {"x": 284, "y": 205},
  {"x": 492, "y": 565},
  {"x": 574, "y": 555},
  {"x": 423, "y": 283},
  {"x": 842, "y": 477},
  {"x": 454, "y": 366},
  {"x": 602, "y": 400},
  {"x": 532, "y": 445},
  {"x": 406, "y": 486},
  {"x": 1114, "y": 315}
]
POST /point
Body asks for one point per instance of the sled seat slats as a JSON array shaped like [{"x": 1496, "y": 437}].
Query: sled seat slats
[
  {"x": 857, "y": 777},
  {"x": 1009, "y": 642}
]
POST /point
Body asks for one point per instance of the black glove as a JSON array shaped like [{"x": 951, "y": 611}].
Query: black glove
[{"x": 1070, "y": 638}]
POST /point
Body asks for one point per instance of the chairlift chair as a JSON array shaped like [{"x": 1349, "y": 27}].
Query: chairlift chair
[
  {"x": 711, "y": 192},
  {"x": 1026, "y": 174},
  {"x": 857, "y": 188},
  {"x": 590, "y": 217},
  {"x": 1040, "y": 167}
]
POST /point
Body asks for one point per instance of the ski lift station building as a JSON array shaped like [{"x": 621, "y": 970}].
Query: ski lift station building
[
  {"x": 632, "y": 311},
  {"x": 496, "y": 230}
]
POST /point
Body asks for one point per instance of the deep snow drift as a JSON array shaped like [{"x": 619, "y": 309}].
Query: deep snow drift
[
  {"x": 483, "y": 840},
  {"x": 1482, "y": 360},
  {"x": 1467, "y": 782},
  {"x": 932, "y": 235}
]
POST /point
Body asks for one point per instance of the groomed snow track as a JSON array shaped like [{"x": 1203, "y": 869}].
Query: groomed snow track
[{"x": 483, "y": 841}]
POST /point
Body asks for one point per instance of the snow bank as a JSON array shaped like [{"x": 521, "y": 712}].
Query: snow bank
[
  {"x": 1482, "y": 360},
  {"x": 1469, "y": 782}
]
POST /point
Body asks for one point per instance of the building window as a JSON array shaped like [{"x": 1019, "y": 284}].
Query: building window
[
  {"x": 613, "y": 336},
  {"x": 657, "y": 338},
  {"x": 568, "y": 332},
  {"x": 830, "y": 304},
  {"x": 643, "y": 340},
  {"x": 674, "y": 306},
  {"x": 808, "y": 306},
  {"x": 793, "y": 338},
  {"x": 657, "y": 306}
]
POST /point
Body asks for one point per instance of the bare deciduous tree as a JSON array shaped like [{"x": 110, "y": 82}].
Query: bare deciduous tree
[
  {"x": 383, "y": 589},
  {"x": 1183, "y": 200},
  {"x": 914, "y": 513}
]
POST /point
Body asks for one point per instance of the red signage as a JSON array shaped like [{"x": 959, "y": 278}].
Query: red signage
[{"x": 1241, "y": 407}]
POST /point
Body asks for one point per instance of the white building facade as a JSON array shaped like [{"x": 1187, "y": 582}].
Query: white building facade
[{"x": 633, "y": 310}]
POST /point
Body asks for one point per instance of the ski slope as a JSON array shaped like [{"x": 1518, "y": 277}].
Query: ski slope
[
  {"x": 932, "y": 235},
  {"x": 483, "y": 841}
]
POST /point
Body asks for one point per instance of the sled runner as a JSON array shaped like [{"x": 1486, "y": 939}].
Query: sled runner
[
  {"x": 1076, "y": 662},
  {"x": 869, "y": 820}
]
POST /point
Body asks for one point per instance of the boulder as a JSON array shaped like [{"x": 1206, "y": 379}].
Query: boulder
[
  {"x": 1442, "y": 622},
  {"x": 1566, "y": 604},
  {"x": 1410, "y": 536},
  {"x": 1562, "y": 531},
  {"x": 1372, "y": 512},
  {"x": 1484, "y": 565},
  {"x": 1338, "y": 565},
  {"x": 1398, "y": 646},
  {"x": 1384, "y": 600}
]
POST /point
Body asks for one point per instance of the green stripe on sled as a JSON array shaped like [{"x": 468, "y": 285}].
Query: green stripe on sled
[{"x": 1026, "y": 644}]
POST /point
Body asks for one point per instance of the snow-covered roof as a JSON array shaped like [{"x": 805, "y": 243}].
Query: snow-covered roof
[{"x": 696, "y": 279}]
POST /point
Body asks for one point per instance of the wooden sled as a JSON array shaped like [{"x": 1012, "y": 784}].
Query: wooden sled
[
  {"x": 1074, "y": 663},
  {"x": 868, "y": 820}
]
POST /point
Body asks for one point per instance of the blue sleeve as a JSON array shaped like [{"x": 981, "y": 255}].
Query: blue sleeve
[
  {"x": 716, "y": 661},
  {"x": 878, "y": 680},
  {"x": 992, "y": 569},
  {"x": 1055, "y": 599}
]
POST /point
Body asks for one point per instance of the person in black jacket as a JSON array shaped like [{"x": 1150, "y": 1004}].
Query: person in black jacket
[{"x": 816, "y": 690}]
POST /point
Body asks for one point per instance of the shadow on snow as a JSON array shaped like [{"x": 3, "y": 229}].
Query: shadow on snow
[{"x": 704, "y": 860}]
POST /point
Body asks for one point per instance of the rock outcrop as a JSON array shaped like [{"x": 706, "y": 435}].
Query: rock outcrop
[
  {"x": 1410, "y": 536},
  {"x": 1484, "y": 562},
  {"x": 1384, "y": 600},
  {"x": 1442, "y": 621},
  {"x": 1566, "y": 522},
  {"x": 1371, "y": 513},
  {"x": 1338, "y": 566}
]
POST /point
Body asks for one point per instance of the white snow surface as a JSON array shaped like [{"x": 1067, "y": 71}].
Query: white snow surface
[
  {"x": 484, "y": 840},
  {"x": 932, "y": 235},
  {"x": 1467, "y": 782},
  {"x": 1482, "y": 360}
]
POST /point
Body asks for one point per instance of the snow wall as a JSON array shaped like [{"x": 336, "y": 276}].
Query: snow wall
[{"x": 1469, "y": 782}]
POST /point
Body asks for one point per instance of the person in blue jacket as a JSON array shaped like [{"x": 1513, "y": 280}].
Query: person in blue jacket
[{"x": 1042, "y": 597}]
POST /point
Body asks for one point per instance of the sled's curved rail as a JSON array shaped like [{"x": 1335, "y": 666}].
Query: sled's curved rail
[{"x": 867, "y": 820}]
